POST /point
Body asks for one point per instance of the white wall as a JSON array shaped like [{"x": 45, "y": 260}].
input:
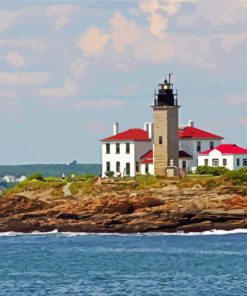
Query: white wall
[
  {"x": 231, "y": 159},
  {"x": 150, "y": 168},
  {"x": 137, "y": 149},
  {"x": 190, "y": 146},
  {"x": 188, "y": 163}
]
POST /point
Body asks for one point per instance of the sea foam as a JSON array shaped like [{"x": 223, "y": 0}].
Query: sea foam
[{"x": 73, "y": 234}]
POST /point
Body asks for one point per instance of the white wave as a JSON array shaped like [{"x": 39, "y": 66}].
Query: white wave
[
  {"x": 210, "y": 232},
  {"x": 74, "y": 234},
  {"x": 10, "y": 233},
  {"x": 13, "y": 233}
]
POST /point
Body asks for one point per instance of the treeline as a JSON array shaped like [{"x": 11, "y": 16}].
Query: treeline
[{"x": 48, "y": 170}]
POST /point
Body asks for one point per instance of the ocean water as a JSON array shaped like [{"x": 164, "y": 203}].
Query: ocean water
[{"x": 152, "y": 264}]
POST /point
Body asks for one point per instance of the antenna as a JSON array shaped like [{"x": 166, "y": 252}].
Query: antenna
[
  {"x": 155, "y": 95},
  {"x": 176, "y": 98},
  {"x": 170, "y": 74}
]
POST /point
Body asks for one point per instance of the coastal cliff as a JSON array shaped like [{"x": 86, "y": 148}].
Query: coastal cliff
[{"x": 123, "y": 207}]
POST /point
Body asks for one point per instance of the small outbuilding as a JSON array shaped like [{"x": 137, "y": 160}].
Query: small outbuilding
[{"x": 230, "y": 156}]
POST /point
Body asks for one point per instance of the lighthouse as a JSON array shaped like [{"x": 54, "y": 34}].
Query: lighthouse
[{"x": 165, "y": 123}]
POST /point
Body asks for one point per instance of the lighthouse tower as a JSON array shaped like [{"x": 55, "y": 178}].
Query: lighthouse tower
[{"x": 165, "y": 122}]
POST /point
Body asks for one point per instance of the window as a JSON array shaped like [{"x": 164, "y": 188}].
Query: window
[
  {"x": 118, "y": 166},
  {"x": 206, "y": 162},
  {"x": 245, "y": 162},
  {"x": 215, "y": 162},
  {"x": 117, "y": 148},
  {"x": 108, "y": 166},
  {"x": 146, "y": 168},
  {"x": 238, "y": 162},
  {"x": 127, "y": 168},
  {"x": 224, "y": 162},
  {"x": 198, "y": 146},
  {"x": 160, "y": 140},
  {"x": 127, "y": 148},
  {"x": 211, "y": 145},
  {"x": 137, "y": 167},
  {"x": 107, "y": 148}
]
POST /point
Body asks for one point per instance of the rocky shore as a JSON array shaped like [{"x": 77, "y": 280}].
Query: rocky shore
[{"x": 108, "y": 208}]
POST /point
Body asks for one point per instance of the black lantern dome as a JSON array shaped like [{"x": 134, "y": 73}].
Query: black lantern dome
[{"x": 165, "y": 95}]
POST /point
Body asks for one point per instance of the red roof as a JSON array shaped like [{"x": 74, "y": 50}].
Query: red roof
[
  {"x": 134, "y": 134},
  {"x": 148, "y": 157},
  {"x": 190, "y": 132},
  {"x": 228, "y": 149}
]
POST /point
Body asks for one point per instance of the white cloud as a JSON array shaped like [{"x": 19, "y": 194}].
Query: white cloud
[
  {"x": 124, "y": 32},
  {"x": 32, "y": 43},
  {"x": 193, "y": 50},
  {"x": 157, "y": 12},
  {"x": 23, "y": 78},
  {"x": 129, "y": 89},
  {"x": 123, "y": 67},
  {"x": 231, "y": 40},
  {"x": 238, "y": 99},
  {"x": 98, "y": 104},
  {"x": 95, "y": 126},
  {"x": 152, "y": 50},
  {"x": 8, "y": 18},
  {"x": 242, "y": 121},
  {"x": 61, "y": 14},
  {"x": 171, "y": 7},
  {"x": 8, "y": 93},
  {"x": 187, "y": 20},
  {"x": 93, "y": 41},
  {"x": 158, "y": 22},
  {"x": 79, "y": 66},
  {"x": 15, "y": 59},
  {"x": 216, "y": 13},
  {"x": 69, "y": 89}
]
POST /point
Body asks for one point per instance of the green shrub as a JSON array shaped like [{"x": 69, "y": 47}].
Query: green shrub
[
  {"x": 86, "y": 177},
  {"x": 36, "y": 176},
  {"x": 211, "y": 183},
  {"x": 109, "y": 174},
  {"x": 53, "y": 179},
  {"x": 208, "y": 170},
  {"x": 236, "y": 177}
]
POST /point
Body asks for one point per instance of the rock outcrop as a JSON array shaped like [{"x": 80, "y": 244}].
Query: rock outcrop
[{"x": 106, "y": 209}]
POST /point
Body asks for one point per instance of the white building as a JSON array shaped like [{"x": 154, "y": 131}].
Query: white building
[
  {"x": 193, "y": 141},
  {"x": 121, "y": 152},
  {"x": 9, "y": 179},
  {"x": 230, "y": 156},
  {"x": 131, "y": 151},
  {"x": 22, "y": 179},
  {"x": 146, "y": 163}
]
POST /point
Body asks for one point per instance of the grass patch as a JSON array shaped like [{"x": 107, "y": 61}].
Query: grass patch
[
  {"x": 207, "y": 181},
  {"x": 33, "y": 185},
  {"x": 147, "y": 182}
]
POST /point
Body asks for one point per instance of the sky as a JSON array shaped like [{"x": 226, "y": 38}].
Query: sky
[{"x": 69, "y": 69}]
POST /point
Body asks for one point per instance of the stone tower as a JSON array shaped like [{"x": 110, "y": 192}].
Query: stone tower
[{"x": 165, "y": 109}]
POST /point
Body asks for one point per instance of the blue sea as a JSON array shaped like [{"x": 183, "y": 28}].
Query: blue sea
[{"x": 211, "y": 263}]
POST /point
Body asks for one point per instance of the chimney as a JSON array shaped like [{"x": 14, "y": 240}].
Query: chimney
[
  {"x": 115, "y": 128},
  {"x": 148, "y": 127},
  {"x": 191, "y": 123}
]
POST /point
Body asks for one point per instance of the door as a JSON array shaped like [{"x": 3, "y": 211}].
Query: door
[{"x": 127, "y": 168}]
